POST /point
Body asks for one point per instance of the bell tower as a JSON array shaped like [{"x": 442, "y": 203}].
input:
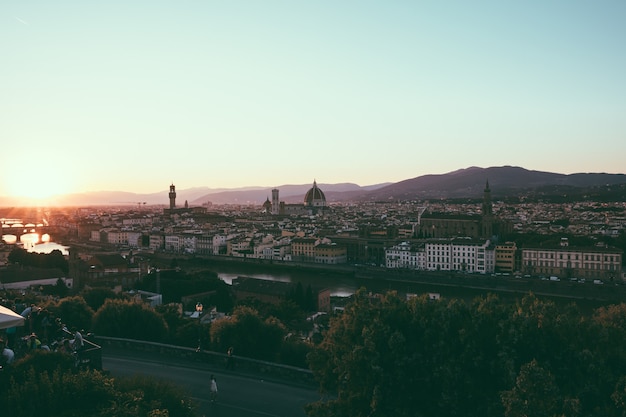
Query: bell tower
[
  {"x": 487, "y": 213},
  {"x": 172, "y": 196},
  {"x": 275, "y": 202}
]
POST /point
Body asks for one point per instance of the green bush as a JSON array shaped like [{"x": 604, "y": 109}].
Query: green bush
[
  {"x": 129, "y": 319},
  {"x": 46, "y": 384}
]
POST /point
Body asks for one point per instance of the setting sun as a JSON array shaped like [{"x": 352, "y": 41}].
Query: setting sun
[{"x": 36, "y": 181}]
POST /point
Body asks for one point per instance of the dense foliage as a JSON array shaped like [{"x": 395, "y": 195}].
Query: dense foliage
[
  {"x": 96, "y": 297},
  {"x": 249, "y": 334},
  {"x": 74, "y": 312},
  {"x": 129, "y": 319},
  {"x": 46, "y": 383},
  {"x": 54, "y": 259},
  {"x": 390, "y": 357}
]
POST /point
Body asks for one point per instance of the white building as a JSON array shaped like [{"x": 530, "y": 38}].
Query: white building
[
  {"x": 219, "y": 244},
  {"x": 133, "y": 239},
  {"x": 403, "y": 256},
  {"x": 188, "y": 241},
  {"x": 462, "y": 254},
  {"x": 173, "y": 243}
]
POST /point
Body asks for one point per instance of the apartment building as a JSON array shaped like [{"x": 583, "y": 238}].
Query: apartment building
[
  {"x": 173, "y": 243},
  {"x": 157, "y": 241},
  {"x": 204, "y": 244},
  {"x": 461, "y": 254},
  {"x": 570, "y": 262},
  {"x": 505, "y": 257},
  {"x": 303, "y": 249},
  {"x": 117, "y": 237},
  {"x": 330, "y": 253},
  {"x": 403, "y": 256}
]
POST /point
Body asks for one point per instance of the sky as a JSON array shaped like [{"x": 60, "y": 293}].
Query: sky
[{"x": 136, "y": 95}]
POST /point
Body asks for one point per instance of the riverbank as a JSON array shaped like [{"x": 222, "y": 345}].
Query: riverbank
[
  {"x": 264, "y": 265},
  {"x": 346, "y": 279}
]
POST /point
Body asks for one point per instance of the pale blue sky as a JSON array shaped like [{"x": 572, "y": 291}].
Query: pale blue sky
[{"x": 132, "y": 95}]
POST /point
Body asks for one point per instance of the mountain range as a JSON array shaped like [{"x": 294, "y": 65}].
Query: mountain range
[{"x": 468, "y": 183}]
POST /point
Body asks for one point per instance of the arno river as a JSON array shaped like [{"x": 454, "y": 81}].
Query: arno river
[
  {"x": 448, "y": 285},
  {"x": 343, "y": 283},
  {"x": 339, "y": 285}
]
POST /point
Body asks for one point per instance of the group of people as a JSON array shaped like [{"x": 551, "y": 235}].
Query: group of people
[{"x": 41, "y": 331}]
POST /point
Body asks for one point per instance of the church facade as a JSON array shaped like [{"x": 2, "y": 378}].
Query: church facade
[
  {"x": 484, "y": 225},
  {"x": 314, "y": 202}
]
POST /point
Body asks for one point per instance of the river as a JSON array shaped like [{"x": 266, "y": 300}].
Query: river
[
  {"x": 447, "y": 286},
  {"x": 341, "y": 284},
  {"x": 33, "y": 242}
]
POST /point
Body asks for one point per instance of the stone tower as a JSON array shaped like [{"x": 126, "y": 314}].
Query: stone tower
[
  {"x": 172, "y": 196},
  {"x": 275, "y": 202},
  {"x": 487, "y": 213}
]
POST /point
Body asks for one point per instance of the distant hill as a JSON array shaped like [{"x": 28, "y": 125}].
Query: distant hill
[{"x": 505, "y": 181}]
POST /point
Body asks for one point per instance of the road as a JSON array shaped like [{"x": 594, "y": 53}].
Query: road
[{"x": 240, "y": 395}]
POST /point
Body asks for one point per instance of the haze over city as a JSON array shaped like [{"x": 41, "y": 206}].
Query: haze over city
[{"x": 133, "y": 96}]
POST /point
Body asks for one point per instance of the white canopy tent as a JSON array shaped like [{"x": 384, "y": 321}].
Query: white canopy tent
[{"x": 9, "y": 318}]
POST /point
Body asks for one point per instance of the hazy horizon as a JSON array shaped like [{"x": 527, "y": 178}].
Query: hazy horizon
[
  {"x": 134, "y": 96},
  {"x": 253, "y": 194}
]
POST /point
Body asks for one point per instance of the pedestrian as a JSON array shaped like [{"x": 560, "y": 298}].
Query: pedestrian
[
  {"x": 78, "y": 342},
  {"x": 230, "y": 360},
  {"x": 6, "y": 355},
  {"x": 213, "y": 389}
]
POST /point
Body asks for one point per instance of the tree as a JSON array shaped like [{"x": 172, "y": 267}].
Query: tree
[
  {"x": 129, "y": 319},
  {"x": 96, "y": 297},
  {"x": 17, "y": 256},
  {"x": 73, "y": 311},
  {"x": 535, "y": 394},
  {"x": 54, "y": 259},
  {"x": 370, "y": 358},
  {"x": 248, "y": 334},
  {"x": 48, "y": 381},
  {"x": 386, "y": 356}
]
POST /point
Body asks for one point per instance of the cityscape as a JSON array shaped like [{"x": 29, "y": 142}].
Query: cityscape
[
  {"x": 482, "y": 245},
  {"x": 313, "y": 209},
  {"x": 577, "y": 241}
]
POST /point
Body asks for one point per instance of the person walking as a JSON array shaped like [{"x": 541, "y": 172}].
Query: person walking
[
  {"x": 213, "y": 389},
  {"x": 230, "y": 360}
]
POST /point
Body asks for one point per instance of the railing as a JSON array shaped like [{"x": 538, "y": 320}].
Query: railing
[
  {"x": 166, "y": 352},
  {"x": 90, "y": 355}
]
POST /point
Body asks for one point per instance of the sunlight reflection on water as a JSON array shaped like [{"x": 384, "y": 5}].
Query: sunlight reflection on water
[{"x": 32, "y": 242}]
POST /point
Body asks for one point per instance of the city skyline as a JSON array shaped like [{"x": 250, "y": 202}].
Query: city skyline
[{"x": 132, "y": 97}]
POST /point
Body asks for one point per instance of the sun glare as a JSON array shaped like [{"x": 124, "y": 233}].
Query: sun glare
[{"x": 36, "y": 183}]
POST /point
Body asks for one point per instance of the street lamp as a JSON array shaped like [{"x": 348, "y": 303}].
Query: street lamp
[{"x": 199, "y": 311}]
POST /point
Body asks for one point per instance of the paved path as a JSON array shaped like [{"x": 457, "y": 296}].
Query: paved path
[{"x": 240, "y": 395}]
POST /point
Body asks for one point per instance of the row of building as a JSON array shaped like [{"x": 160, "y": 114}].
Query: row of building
[
  {"x": 476, "y": 256},
  {"x": 468, "y": 255}
]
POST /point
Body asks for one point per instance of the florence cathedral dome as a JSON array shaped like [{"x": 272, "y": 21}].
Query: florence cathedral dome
[{"x": 315, "y": 197}]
